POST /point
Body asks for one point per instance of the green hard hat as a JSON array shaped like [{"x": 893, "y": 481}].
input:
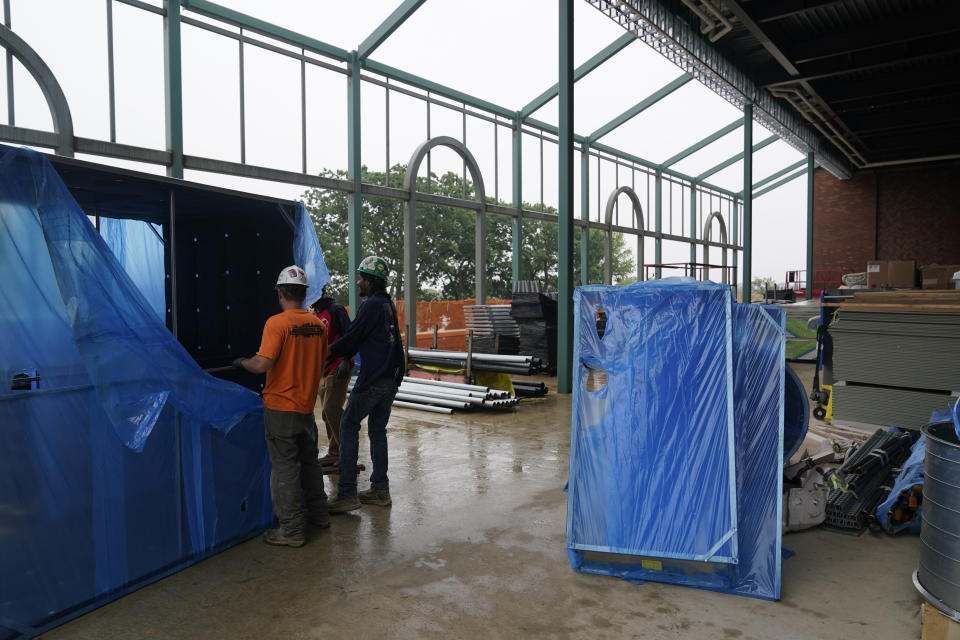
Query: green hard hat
[{"x": 374, "y": 266}]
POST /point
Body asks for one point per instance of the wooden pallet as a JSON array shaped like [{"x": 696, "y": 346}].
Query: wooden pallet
[{"x": 937, "y": 626}]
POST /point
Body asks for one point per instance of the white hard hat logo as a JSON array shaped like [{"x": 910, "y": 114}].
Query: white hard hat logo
[{"x": 292, "y": 275}]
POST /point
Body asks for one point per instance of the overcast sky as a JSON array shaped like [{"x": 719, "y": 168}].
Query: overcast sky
[{"x": 504, "y": 51}]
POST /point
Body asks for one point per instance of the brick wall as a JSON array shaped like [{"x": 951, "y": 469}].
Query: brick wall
[
  {"x": 844, "y": 222},
  {"x": 918, "y": 216},
  {"x": 909, "y": 214}
]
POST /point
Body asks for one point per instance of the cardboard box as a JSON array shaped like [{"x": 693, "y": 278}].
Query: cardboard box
[
  {"x": 876, "y": 274},
  {"x": 891, "y": 274},
  {"x": 939, "y": 276},
  {"x": 901, "y": 273}
]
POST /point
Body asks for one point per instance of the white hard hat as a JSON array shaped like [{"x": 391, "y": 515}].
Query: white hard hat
[{"x": 292, "y": 275}]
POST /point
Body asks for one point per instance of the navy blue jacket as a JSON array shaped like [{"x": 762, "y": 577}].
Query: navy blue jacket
[{"x": 374, "y": 334}]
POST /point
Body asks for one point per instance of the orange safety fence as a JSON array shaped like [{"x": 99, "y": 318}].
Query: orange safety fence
[{"x": 448, "y": 317}]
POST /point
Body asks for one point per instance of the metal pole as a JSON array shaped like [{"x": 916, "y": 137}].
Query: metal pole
[
  {"x": 735, "y": 234},
  {"x": 355, "y": 206},
  {"x": 303, "y": 112},
  {"x": 496, "y": 160},
  {"x": 693, "y": 223},
  {"x": 747, "y": 199},
  {"x": 810, "y": 167},
  {"x": 173, "y": 86},
  {"x": 243, "y": 107},
  {"x": 565, "y": 203},
  {"x": 517, "y": 199},
  {"x": 11, "y": 120},
  {"x": 658, "y": 222},
  {"x": 110, "y": 78},
  {"x": 386, "y": 129},
  {"x": 585, "y": 214},
  {"x": 173, "y": 266}
]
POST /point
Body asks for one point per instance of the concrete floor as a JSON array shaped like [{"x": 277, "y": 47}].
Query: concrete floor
[{"x": 473, "y": 547}]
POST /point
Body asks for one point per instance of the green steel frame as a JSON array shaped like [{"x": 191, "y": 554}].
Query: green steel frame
[{"x": 357, "y": 67}]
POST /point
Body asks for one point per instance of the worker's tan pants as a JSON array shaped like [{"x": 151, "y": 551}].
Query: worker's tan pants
[{"x": 331, "y": 395}]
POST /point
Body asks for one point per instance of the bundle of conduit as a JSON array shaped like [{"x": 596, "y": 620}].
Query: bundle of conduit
[
  {"x": 519, "y": 365},
  {"x": 438, "y": 396},
  {"x": 528, "y": 388},
  {"x": 865, "y": 479}
]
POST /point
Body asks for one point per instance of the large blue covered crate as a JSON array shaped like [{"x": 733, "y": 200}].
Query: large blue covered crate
[{"x": 676, "y": 437}]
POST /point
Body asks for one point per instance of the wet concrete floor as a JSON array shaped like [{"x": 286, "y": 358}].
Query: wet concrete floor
[{"x": 473, "y": 547}]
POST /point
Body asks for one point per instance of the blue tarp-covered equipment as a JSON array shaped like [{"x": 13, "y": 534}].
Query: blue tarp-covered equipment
[
  {"x": 122, "y": 460},
  {"x": 220, "y": 268},
  {"x": 677, "y": 437}
]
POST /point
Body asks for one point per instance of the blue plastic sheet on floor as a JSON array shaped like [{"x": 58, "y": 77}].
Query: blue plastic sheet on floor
[
  {"x": 122, "y": 461},
  {"x": 676, "y": 449}
]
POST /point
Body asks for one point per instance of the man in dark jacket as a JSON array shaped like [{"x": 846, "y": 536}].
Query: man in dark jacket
[
  {"x": 375, "y": 335},
  {"x": 336, "y": 373}
]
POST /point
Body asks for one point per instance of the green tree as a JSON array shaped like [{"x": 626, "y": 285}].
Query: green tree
[
  {"x": 759, "y": 285},
  {"x": 539, "y": 258},
  {"x": 445, "y": 240}
]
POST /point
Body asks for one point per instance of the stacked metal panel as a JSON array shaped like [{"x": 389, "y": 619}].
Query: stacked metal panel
[
  {"x": 888, "y": 406},
  {"x": 494, "y": 330},
  {"x": 916, "y": 350},
  {"x": 536, "y": 316},
  {"x": 894, "y": 368}
]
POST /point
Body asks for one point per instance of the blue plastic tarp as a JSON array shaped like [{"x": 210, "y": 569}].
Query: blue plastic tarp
[
  {"x": 666, "y": 353},
  {"x": 911, "y": 473},
  {"x": 122, "y": 461},
  {"x": 138, "y": 246},
  {"x": 675, "y": 463}
]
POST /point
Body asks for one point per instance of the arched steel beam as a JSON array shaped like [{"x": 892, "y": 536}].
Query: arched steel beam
[
  {"x": 410, "y": 228},
  {"x": 608, "y": 239},
  {"x": 707, "y": 228},
  {"x": 56, "y": 100}
]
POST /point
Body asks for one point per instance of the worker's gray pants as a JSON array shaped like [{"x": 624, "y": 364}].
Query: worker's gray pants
[{"x": 292, "y": 443}]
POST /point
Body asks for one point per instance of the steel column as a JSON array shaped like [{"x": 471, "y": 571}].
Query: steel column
[
  {"x": 173, "y": 266},
  {"x": 658, "y": 222},
  {"x": 517, "y": 199},
  {"x": 355, "y": 206},
  {"x": 810, "y": 167},
  {"x": 565, "y": 202},
  {"x": 734, "y": 236},
  {"x": 693, "y": 224},
  {"x": 747, "y": 199},
  {"x": 111, "y": 90},
  {"x": 11, "y": 120},
  {"x": 173, "y": 86},
  {"x": 585, "y": 214}
]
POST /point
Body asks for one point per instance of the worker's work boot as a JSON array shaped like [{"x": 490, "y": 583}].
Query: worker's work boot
[
  {"x": 277, "y": 537},
  {"x": 379, "y": 498},
  {"x": 343, "y": 504}
]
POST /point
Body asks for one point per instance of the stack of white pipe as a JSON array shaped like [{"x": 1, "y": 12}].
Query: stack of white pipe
[{"x": 439, "y": 396}]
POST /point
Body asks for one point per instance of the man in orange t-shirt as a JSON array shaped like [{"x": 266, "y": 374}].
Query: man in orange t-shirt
[{"x": 292, "y": 354}]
